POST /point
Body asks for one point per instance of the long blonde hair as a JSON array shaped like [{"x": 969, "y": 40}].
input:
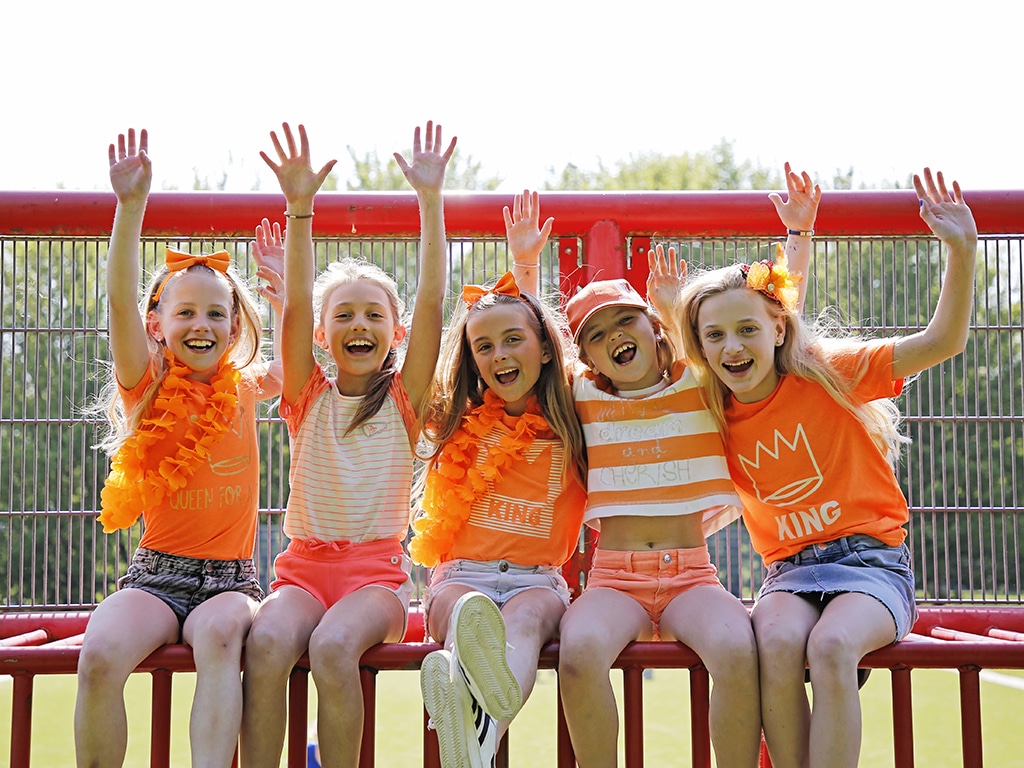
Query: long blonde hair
[
  {"x": 245, "y": 351},
  {"x": 458, "y": 387},
  {"x": 349, "y": 270},
  {"x": 806, "y": 352}
]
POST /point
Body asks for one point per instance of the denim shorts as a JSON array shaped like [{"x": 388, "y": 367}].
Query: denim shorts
[
  {"x": 856, "y": 563},
  {"x": 186, "y": 582},
  {"x": 500, "y": 580}
]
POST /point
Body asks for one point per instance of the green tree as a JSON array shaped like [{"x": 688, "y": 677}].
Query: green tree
[
  {"x": 716, "y": 168},
  {"x": 373, "y": 174}
]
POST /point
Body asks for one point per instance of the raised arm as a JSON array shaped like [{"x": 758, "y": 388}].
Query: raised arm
[
  {"x": 798, "y": 213},
  {"x": 268, "y": 252},
  {"x": 426, "y": 175},
  {"x": 948, "y": 216},
  {"x": 666, "y": 279},
  {"x": 131, "y": 174},
  {"x": 299, "y": 183},
  {"x": 526, "y": 239}
]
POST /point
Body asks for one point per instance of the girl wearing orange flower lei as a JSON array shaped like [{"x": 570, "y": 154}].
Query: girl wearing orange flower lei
[
  {"x": 501, "y": 512},
  {"x": 811, "y": 436},
  {"x": 188, "y": 373},
  {"x": 342, "y": 585}
]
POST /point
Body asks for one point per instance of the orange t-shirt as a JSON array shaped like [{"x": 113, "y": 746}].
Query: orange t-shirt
[
  {"x": 807, "y": 470},
  {"x": 214, "y": 516},
  {"x": 532, "y": 516}
]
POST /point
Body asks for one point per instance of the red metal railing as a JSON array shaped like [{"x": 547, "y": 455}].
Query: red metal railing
[
  {"x": 608, "y": 233},
  {"x": 966, "y": 640}
]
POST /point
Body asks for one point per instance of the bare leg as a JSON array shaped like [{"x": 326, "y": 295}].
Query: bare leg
[
  {"x": 216, "y": 631},
  {"x": 278, "y": 637},
  {"x": 531, "y": 621},
  {"x": 590, "y": 642},
  {"x": 355, "y": 623},
  {"x": 852, "y": 625},
  {"x": 782, "y": 622},
  {"x": 125, "y": 628},
  {"x": 717, "y": 627}
]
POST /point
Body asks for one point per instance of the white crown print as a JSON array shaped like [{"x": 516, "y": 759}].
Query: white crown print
[{"x": 791, "y": 462}]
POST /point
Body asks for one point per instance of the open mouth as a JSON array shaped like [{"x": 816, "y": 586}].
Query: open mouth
[
  {"x": 741, "y": 367},
  {"x": 199, "y": 345},
  {"x": 359, "y": 347},
  {"x": 506, "y": 375},
  {"x": 624, "y": 353}
]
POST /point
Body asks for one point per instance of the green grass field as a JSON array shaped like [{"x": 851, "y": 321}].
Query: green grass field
[{"x": 532, "y": 738}]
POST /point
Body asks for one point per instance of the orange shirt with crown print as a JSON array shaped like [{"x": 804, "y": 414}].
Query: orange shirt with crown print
[{"x": 807, "y": 470}]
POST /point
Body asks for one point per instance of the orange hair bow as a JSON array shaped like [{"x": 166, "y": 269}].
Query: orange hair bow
[
  {"x": 178, "y": 261},
  {"x": 506, "y": 286},
  {"x": 774, "y": 280}
]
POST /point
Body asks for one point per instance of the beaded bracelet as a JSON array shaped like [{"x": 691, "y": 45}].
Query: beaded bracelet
[
  {"x": 801, "y": 232},
  {"x": 298, "y": 215}
]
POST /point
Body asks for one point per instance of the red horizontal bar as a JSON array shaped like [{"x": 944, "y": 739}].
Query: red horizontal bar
[
  {"x": 698, "y": 214},
  {"x": 35, "y": 637}
]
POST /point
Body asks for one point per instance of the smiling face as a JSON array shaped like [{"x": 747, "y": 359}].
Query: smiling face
[
  {"x": 358, "y": 328},
  {"x": 508, "y": 353},
  {"x": 738, "y": 336},
  {"x": 195, "y": 320},
  {"x": 622, "y": 344}
]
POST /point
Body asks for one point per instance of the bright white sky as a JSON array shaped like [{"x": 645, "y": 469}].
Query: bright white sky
[{"x": 884, "y": 86}]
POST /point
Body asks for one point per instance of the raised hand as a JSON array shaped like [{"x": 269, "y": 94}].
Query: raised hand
[
  {"x": 800, "y": 208},
  {"x": 268, "y": 252},
  {"x": 299, "y": 182},
  {"x": 945, "y": 213},
  {"x": 523, "y": 231},
  {"x": 665, "y": 280},
  {"x": 131, "y": 170},
  {"x": 426, "y": 172}
]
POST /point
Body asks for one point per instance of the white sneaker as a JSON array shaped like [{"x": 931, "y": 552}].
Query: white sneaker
[
  {"x": 481, "y": 731},
  {"x": 477, "y": 631},
  {"x": 450, "y": 712}
]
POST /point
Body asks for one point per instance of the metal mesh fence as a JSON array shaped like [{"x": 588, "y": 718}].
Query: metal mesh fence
[{"x": 962, "y": 473}]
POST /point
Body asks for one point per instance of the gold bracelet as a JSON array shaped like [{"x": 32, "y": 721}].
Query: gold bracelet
[
  {"x": 801, "y": 232},
  {"x": 298, "y": 215}
]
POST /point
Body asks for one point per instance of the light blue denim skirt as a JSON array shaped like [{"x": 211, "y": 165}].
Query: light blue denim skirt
[{"x": 855, "y": 563}]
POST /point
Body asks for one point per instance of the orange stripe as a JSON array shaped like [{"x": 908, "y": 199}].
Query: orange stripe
[
  {"x": 664, "y": 493},
  {"x": 678, "y": 448},
  {"x": 623, "y": 409}
]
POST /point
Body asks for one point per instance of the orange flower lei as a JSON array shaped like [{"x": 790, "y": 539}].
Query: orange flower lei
[
  {"x": 774, "y": 280},
  {"x": 455, "y": 479},
  {"x": 131, "y": 488}
]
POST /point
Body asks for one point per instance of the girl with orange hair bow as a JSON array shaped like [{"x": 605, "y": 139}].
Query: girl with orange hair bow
[
  {"x": 188, "y": 372},
  {"x": 501, "y": 512}
]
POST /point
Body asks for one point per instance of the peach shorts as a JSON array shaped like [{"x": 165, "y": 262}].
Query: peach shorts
[
  {"x": 653, "y": 578},
  {"x": 331, "y": 570}
]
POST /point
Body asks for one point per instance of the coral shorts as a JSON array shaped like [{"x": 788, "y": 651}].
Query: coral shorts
[
  {"x": 331, "y": 570},
  {"x": 653, "y": 578}
]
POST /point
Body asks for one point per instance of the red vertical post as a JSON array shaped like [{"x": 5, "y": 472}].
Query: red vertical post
[
  {"x": 633, "y": 715},
  {"x": 902, "y": 719},
  {"x": 566, "y": 757},
  {"x": 970, "y": 716},
  {"x": 368, "y": 683},
  {"x": 431, "y": 752},
  {"x": 160, "y": 727},
  {"x": 700, "y": 732},
  {"x": 21, "y": 721},
  {"x": 604, "y": 252},
  {"x": 298, "y": 724}
]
